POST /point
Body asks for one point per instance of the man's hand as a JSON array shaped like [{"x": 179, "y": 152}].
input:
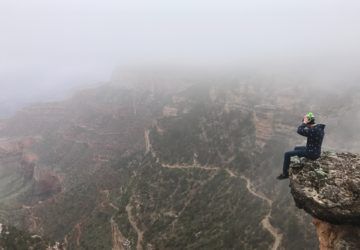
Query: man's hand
[{"x": 306, "y": 120}]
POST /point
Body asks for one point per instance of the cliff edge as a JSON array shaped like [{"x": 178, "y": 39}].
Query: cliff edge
[{"x": 329, "y": 190}]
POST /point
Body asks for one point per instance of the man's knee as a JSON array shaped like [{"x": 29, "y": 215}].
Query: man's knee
[{"x": 290, "y": 153}]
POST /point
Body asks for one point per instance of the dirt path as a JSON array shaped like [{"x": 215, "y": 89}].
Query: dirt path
[
  {"x": 249, "y": 186},
  {"x": 118, "y": 239},
  {"x": 265, "y": 221},
  {"x": 78, "y": 233},
  {"x": 189, "y": 167},
  {"x": 147, "y": 141},
  {"x": 119, "y": 242},
  {"x": 113, "y": 206},
  {"x": 33, "y": 227},
  {"x": 231, "y": 173},
  {"x": 275, "y": 233},
  {"x": 132, "y": 221},
  {"x": 106, "y": 200}
]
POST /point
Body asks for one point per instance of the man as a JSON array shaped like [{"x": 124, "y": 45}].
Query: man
[{"x": 315, "y": 135}]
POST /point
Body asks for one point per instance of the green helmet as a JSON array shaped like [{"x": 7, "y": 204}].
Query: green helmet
[{"x": 310, "y": 116}]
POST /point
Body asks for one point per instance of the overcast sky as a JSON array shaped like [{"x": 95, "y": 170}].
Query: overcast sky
[{"x": 60, "y": 43}]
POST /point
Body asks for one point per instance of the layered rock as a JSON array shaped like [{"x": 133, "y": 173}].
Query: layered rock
[
  {"x": 18, "y": 162},
  {"x": 329, "y": 190},
  {"x": 337, "y": 236}
]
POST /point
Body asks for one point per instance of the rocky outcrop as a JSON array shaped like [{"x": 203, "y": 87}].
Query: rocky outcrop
[
  {"x": 47, "y": 183},
  {"x": 337, "y": 236},
  {"x": 17, "y": 161},
  {"x": 329, "y": 190}
]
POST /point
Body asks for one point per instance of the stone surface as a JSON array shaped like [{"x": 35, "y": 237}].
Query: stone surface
[
  {"x": 328, "y": 188},
  {"x": 337, "y": 236}
]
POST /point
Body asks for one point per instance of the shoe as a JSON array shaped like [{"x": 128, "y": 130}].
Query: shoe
[{"x": 282, "y": 177}]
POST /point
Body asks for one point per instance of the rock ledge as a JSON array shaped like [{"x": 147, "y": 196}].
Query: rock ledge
[{"x": 328, "y": 188}]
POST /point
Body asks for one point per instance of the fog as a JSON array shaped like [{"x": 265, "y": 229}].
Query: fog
[{"x": 48, "y": 48}]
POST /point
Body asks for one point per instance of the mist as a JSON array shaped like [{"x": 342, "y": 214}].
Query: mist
[{"x": 49, "y": 48}]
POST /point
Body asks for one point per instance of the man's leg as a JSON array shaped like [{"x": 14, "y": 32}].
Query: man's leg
[
  {"x": 300, "y": 148},
  {"x": 287, "y": 156}
]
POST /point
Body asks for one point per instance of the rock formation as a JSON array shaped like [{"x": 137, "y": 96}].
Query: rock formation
[
  {"x": 18, "y": 162},
  {"x": 329, "y": 190}
]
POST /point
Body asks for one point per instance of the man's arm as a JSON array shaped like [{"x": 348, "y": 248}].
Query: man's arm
[{"x": 303, "y": 130}]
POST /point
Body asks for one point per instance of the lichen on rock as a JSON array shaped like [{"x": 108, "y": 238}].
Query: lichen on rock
[{"x": 329, "y": 187}]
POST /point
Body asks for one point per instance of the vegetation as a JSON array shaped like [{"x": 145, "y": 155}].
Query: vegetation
[
  {"x": 95, "y": 145},
  {"x": 12, "y": 238}
]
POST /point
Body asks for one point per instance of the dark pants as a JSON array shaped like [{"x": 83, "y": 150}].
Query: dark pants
[{"x": 298, "y": 151}]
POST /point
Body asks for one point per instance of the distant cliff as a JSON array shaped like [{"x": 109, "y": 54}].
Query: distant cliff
[
  {"x": 329, "y": 190},
  {"x": 158, "y": 161}
]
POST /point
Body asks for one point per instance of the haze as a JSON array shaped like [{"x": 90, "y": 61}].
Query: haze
[{"x": 49, "y": 47}]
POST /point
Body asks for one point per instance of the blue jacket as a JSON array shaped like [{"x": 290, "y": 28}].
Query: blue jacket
[{"x": 315, "y": 135}]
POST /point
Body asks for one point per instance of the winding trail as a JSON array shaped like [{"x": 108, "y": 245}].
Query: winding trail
[
  {"x": 189, "y": 167},
  {"x": 118, "y": 239},
  {"x": 32, "y": 218},
  {"x": 107, "y": 200},
  {"x": 147, "y": 141},
  {"x": 78, "y": 233},
  {"x": 265, "y": 222},
  {"x": 119, "y": 242},
  {"x": 136, "y": 228}
]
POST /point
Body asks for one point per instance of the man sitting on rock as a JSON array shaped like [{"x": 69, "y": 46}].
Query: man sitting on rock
[{"x": 315, "y": 134}]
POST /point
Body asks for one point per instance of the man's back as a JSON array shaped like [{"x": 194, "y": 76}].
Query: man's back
[{"x": 315, "y": 135}]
